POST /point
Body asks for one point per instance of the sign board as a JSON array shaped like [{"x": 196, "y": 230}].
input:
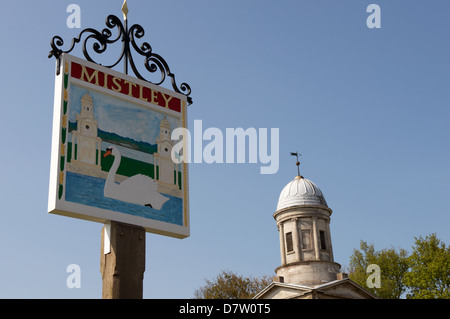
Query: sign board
[{"x": 111, "y": 150}]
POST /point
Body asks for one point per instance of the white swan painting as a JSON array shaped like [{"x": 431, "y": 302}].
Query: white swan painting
[{"x": 138, "y": 189}]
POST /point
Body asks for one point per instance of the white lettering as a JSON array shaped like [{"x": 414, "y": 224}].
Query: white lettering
[
  {"x": 374, "y": 280},
  {"x": 216, "y": 145},
  {"x": 213, "y": 152},
  {"x": 74, "y": 279},
  {"x": 180, "y": 151},
  {"x": 198, "y": 141},
  {"x": 374, "y": 20},
  {"x": 241, "y": 135},
  {"x": 73, "y": 20},
  {"x": 274, "y": 157},
  {"x": 207, "y": 310}
]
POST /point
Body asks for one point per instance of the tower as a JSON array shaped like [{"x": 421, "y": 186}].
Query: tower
[
  {"x": 167, "y": 174},
  {"x": 308, "y": 269},
  {"x": 85, "y": 138},
  {"x": 303, "y": 220}
]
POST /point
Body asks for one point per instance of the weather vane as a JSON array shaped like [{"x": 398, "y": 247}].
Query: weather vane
[{"x": 297, "y": 154}]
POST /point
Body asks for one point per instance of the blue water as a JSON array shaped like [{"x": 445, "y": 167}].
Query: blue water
[{"x": 88, "y": 190}]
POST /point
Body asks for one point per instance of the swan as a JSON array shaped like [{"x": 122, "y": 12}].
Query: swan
[{"x": 138, "y": 189}]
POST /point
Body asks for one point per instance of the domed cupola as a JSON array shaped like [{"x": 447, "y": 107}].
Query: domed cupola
[
  {"x": 303, "y": 220},
  {"x": 301, "y": 192}
]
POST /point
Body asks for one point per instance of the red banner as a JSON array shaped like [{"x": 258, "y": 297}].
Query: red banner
[{"x": 125, "y": 87}]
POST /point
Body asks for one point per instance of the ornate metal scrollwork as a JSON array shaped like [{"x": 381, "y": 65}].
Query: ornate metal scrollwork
[{"x": 153, "y": 62}]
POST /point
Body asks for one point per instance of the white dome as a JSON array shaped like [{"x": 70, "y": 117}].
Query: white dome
[{"x": 301, "y": 192}]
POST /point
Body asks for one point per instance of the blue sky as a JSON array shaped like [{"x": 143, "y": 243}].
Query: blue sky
[
  {"x": 109, "y": 112},
  {"x": 367, "y": 108}
]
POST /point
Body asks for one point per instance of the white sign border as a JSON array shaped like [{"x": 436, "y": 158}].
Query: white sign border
[{"x": 80, "y": 211}]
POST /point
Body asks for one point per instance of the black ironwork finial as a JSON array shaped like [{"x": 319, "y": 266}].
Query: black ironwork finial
[
  {"x": 152, "y": 62},
  {"x": 297, "y": 154}
]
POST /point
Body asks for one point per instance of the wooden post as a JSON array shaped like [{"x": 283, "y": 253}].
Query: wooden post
[{"x": 123, "y": 267}]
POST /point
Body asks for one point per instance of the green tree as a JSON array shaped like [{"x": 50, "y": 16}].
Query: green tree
[
  {"x": 393, "y": 266},
  {"x": 228, "y": 285},
  {"x": 429, "y": 273}
]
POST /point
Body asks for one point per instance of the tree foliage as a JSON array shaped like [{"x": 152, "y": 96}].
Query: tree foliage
[
  {"x": 228, "y": 285},
  {"x": 393, "y": 265},
  {"x": 429, "y": 273},
  {"x": 421, "y": 275}
]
